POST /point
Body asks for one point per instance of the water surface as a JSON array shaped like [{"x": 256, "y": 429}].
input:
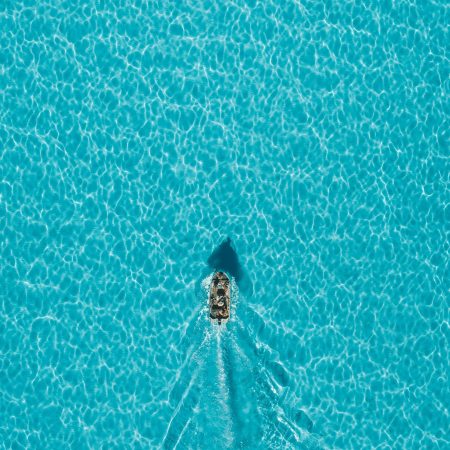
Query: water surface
[{"x": 136, "y": 136}]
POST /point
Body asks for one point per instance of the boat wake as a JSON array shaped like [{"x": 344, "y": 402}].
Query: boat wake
[{"x": 231, "y": 390}]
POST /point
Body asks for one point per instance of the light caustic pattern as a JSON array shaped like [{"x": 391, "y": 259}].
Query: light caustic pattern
[{"x": 136, "y": 135}]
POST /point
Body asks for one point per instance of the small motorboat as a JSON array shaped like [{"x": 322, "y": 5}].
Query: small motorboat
[{"x": 219, "y": 298}]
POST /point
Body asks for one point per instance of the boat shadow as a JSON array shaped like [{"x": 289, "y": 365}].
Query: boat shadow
[{"x": 225, "y": 258}]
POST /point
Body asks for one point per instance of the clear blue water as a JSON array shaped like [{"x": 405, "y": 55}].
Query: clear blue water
[{"x": 136, "y": 136}]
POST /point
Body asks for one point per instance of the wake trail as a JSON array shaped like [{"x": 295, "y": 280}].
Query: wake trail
[
  {"x": 230, "y": 390},
  {"x": 224, "y": 391},
  {"x": 185, "y": 389},
  {"x": 179, "y": 419},
  {"x": 283, "y": 422}
]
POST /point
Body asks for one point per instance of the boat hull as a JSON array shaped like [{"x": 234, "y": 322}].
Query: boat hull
[{"x": 219, "y": 298}]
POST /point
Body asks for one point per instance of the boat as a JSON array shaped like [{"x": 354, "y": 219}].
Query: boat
[{"x": 219, "y": 298}]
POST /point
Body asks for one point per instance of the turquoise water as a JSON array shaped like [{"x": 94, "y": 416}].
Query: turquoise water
[{"x": 136, "y": 136}]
